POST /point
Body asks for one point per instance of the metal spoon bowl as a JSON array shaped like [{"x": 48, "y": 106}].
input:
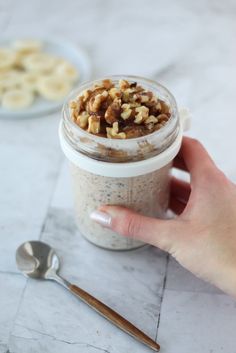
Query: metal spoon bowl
[{"x": 38, "y": 260}]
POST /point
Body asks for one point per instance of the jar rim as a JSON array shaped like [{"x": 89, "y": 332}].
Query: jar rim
[{"x": 100, "y": 139}]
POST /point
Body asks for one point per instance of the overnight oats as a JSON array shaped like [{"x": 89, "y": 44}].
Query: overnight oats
[{"x": 120, "y": 135}]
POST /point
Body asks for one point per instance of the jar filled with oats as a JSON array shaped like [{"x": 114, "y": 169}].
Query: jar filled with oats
[{"x": 120, "y": 135}]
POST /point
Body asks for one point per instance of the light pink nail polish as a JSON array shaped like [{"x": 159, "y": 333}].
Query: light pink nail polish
[{"x": 102, "y": 218}]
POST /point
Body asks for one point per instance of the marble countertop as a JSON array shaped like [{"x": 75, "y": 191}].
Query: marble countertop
[{"x": 190, "y": 47}]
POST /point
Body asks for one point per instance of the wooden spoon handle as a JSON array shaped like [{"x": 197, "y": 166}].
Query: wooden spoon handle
[{"x": 114, "y": 317}]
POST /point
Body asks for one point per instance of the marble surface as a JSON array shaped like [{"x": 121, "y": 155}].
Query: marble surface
[{"x": 190, "y": 47}]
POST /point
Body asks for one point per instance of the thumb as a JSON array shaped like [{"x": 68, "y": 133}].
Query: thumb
[{"x": 158, "y": 232}]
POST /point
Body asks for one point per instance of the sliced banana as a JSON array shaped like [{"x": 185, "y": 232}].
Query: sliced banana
[
  {"x": 10, "y": 79},
  {"x": 7, "y": 59},
  {"x": 20, "y": 57},
  {"x": 53, "y": 87},
  {"x": 2, "y": 90},
  {"x": 17, "y": 99},
  {"x": 26, "y": 46},
  {"x": 67, "y": 70},
  {"x": 29, "y": 80},
  {"x": 39, "y": 62}
]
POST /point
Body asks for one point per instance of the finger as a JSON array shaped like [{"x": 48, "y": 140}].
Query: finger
[
  {"x": 196, "y": 159},
  {"x": 180, "y": 189},
  {"x": 161, "y": 233},
  {"x": 177, "y": 206},
  {"x": 179, "y": 164}
]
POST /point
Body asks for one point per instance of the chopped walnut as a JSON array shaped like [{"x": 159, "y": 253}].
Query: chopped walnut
[
  {"x": 151, "y": 119},
  {"x": 142, "y": 114},
  {"x": 115, "y": 92},
  {"x": 123, "y": 110},
  {"x": 96, "y": 101},
  {"x": 113, "y": 112},
  {"x": 123, "y": 84},
  {"x": 82, "y": 119},
  {"x": 107, "y": 84},
  {"x": 126, "y": 111},
  {"x": 94, "y": 124},
  {"x": 162, "y": 118},
  {"x": 86, "y": 95},
  {"x": 113, "y": 132}
]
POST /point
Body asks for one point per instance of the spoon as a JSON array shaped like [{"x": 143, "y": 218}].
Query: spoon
[{"x": 38, "y": 260}]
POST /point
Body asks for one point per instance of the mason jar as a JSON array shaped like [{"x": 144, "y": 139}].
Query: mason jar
[{"x": 134, "y": 172}]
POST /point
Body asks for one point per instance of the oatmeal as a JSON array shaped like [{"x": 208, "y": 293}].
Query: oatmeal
[
  {"x": 147, "y": 194},
  {"x": 119, "y": 112}
]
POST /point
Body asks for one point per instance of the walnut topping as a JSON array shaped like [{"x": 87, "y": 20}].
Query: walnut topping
[
  {"x": 113, "y": 132},
  {"x": 151, "y": 119},
  {"x": 126, "y": 111},
  {"x": 119, "y": 111},
  {"x": 113, "y": 111},
  {"x": 115, "y": 92},
  {"x": 107, "y": 84},
  {"x": 94, "y": 124},
  {"x": 123, "y": 84},
  {"x": 96, "y": 101},
  {"x": 142, "y": 114},
  {"x": 82, "y": 119}
]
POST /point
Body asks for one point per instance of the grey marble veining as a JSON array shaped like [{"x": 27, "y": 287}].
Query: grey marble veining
[
  {"x": 11, "y": 291},
  {"x": 188, "y": 46},
  {"x": 130, "y": 283},
  {"x": 30, "y": 160},
  {"x": 197, "y": 322}
]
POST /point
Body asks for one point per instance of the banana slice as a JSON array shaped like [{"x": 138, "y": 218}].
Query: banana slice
[
  {"x": 67, "y": 70},
  {"x": 7, "y": 59},
  {"x": 26, "y": 46},
  {"x": 17, "y": 99},
  {"x": 53, "y": 87},
  {"x": 20, "y": 57},
  {"x": 10, "y": 79},
  {"x": 39, "y": 62},
  {"x": 29, "y": 80},
  {"x": 2, "y": 90}
]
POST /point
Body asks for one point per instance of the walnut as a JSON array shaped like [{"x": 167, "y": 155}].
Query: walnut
[
  {"x": 113, "y": 132},
  {"x": 96, "y": 101},
  {"x": 126, "y": 111},
  {"x": 76, "y": 107},
  {"x": 134, "y": 131},
  {"x": 107, "y": 84},
  {"x": 126, "y": 95},
  {"x": 73, "y": 105},
  {"x": 158, "y": 126},
  {"x": 115, "y": 92},
  {"x": 142, "y": 114},
  {"x": 123, "y": 84},
  {"x": 112, "y": 113},
  {"x": 162, "y": 118},
  {"x": 86, "y": 95},
  {"x": 82, "y": 119},
  {"x": 94, "y": 124},
  {"x": 164, "y": 107},
  {"x": 151, "y": 119}
]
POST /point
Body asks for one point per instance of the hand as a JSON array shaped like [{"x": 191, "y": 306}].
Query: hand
[{"x": 202, "y": 237}]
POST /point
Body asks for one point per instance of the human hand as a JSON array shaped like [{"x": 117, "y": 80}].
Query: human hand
[{"x": 202, "y": 237}]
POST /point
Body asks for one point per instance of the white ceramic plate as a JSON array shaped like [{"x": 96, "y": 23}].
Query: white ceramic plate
[{"x": 74, "y": 54}]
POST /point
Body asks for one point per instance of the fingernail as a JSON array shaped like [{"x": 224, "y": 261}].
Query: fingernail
[{"x": 102, "y": 218}]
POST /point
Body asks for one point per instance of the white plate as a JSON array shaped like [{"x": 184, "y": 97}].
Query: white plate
[{"x": 74, "y": 54}]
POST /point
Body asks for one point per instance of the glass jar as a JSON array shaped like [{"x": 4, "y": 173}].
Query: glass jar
[{"x": 134, "y": 173}]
